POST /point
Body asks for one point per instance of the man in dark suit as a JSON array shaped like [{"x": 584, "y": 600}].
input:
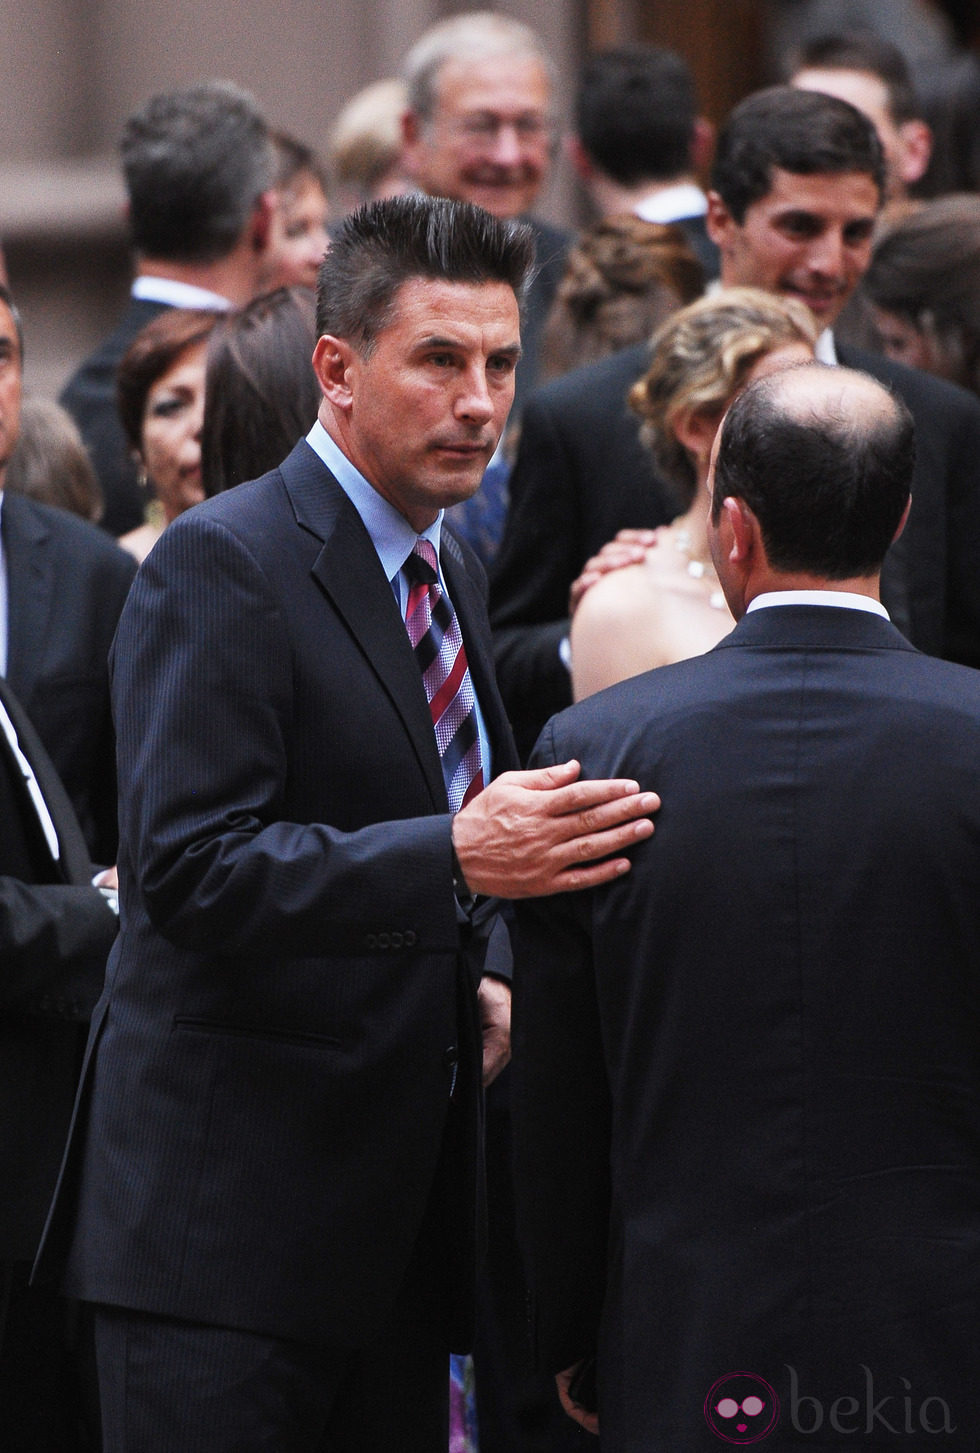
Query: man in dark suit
[
  {"x": 639, "y": 142},
  {"x": 747, "y": 1080},
  {"x": 56, "y": 930},
  {"x": 276, "y": 1174},
  {"x": 199, "y": 166},
  {"x": 62, "y": 587},
  {"x": 796, "y": 187}
]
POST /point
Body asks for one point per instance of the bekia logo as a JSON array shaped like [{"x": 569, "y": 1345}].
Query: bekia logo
[{"x": 741, "y": 1408}]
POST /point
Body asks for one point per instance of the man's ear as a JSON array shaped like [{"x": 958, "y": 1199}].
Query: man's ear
[
  {"x": 579, "y": 158},
  {"x": 702, "y": 145},
  {"x": 260, "y": 225},
  {"x": 719, "y": 220},
  {"x": 916, "y": 150},
  {"x": 411, "y": 128},
  {"x": 904, "y": 520},
  {"x": 332, "y": 359},
  {"x": 741, "y": 531}
]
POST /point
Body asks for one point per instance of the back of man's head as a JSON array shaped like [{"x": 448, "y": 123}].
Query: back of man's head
[
  {"x": 867, "y": 53},
  {"x": 196, "y": 162},
  {"x": 635, "y": 113},
  {"x": 388, "y": 243},
  {"x": 823, "y": 456},
  {"x": 804, "y": 132}
]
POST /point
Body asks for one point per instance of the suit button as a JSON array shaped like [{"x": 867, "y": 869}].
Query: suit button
[
  {"x": 384, "y": 940},
  {"x": 411, "y": 938},
  {"x": 397, "y": 939},
  {"x": 371, "y": 941}
]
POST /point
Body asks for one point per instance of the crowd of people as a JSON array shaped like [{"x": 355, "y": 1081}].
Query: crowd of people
[{"x": 408, "y": 598}]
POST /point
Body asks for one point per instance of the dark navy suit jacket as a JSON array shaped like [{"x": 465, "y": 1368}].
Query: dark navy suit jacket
[
  {"x": 747, "y": 1074},
  {"x": 55, "y": 934},
  {"x": 265, "y": 1122}
]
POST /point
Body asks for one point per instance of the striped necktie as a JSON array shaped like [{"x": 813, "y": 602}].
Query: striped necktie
[{"x": 438, "y": 644}]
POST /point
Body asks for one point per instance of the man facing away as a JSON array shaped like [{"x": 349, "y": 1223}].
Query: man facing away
[
  {"x": 639, "y": 141},
  {"x": 274, "y": 1192},
  {"x": 199, "y": 169},
  {"x": 748, "y": 1094}
]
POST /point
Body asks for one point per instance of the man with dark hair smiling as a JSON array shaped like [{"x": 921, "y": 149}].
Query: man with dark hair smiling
[
  {"x": 747, "y": 1096},
  {"x": 311, "y": 974}
]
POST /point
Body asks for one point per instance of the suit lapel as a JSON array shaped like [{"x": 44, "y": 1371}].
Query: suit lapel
[
  {"x": 74, "y": 862},
  {"x": 348, "y": 569},
  {"x": 30, "y": 591}
]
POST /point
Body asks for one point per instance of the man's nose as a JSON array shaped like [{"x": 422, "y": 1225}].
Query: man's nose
[
  {"x": 474, "y": 401},
  {"x": 826, "y": 254},
  {"x": 507, "y": 149}
]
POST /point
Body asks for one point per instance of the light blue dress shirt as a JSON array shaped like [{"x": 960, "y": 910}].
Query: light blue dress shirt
[{"x": 392, "y": 537}]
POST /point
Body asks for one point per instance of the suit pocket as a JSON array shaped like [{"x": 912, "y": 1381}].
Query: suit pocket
[{"x": 269, "y": 1034}]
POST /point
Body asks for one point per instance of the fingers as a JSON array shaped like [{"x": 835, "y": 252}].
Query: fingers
[{"x": 646, "y": 538}]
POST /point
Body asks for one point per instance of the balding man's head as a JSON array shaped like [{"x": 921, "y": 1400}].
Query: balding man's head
[{"x": 823, "y": 457}]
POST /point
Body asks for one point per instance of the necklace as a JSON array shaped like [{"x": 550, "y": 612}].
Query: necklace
[{"x": 700, "y": 570}]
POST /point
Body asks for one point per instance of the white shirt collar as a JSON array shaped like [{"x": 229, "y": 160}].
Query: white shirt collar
[
  {"x": 824, "y": 350},
  {"x": 177, "y": 294},
  {"x": 843, "y": 599},
  {"x": 671, "y": 204},
  {"x": 391, "y": 534}
]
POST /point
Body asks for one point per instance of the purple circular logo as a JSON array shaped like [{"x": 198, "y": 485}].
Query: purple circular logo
[{"x": 741, "y": 1408}]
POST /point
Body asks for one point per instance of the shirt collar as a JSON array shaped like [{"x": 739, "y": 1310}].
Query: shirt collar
[
  {"x": 671, "y": 204},
  {"x": 844, "y": 599},
  {"x": 824, "y": 350},
  {"x": 177, "y": 294},
  {"x": 391, "y": 534}
]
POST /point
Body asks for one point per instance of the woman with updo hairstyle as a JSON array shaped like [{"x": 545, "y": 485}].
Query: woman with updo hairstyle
[
  {"x": 671, "y": 606},
  {"x": 160, "y": 395},
  {"x": 261, "y": 394},
  {"x": 622, "y": 279},
  {"x": 923, "y": 288}
]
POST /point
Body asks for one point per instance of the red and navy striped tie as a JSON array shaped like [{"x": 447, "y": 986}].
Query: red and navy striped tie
[{"x": 438, "y": 644}]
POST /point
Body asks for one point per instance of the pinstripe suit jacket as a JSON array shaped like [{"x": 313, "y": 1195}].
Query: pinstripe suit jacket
[{"x": 265, "y": 1124}]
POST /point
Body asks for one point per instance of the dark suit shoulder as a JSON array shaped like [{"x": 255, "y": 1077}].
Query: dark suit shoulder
[
  {"x": 70, "y": 535},
  {"x": 592, "y": 385},
  {"x": 920, "y": 390},
  {"x": 96, "y": 374}
]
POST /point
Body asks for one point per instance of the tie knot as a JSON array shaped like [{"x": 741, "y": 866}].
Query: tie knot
[{"x": 421, "y": 564}]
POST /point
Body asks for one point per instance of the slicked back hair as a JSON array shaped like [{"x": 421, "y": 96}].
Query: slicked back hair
[
  {"x": 635, "y": 112},
  {"x": 196, "y": 162},
  {"x": 385, "y": 244},
  {"x": 827, "y": 484},
  {"x": 804, "y": 132}
]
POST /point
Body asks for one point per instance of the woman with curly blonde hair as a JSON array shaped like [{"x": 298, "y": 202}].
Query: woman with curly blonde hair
[{"x": 671, "y": 606}]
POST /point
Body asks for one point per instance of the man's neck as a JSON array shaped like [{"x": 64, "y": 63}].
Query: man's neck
[
  {"x": 233, "y": 277},
  {"x": 612, "y": 197}
]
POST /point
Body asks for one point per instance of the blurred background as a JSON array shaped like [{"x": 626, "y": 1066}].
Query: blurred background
[{"x": 72, "y": 70}]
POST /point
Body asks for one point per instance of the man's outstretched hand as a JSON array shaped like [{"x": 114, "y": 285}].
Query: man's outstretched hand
[{"x": 529, "y": 834}]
